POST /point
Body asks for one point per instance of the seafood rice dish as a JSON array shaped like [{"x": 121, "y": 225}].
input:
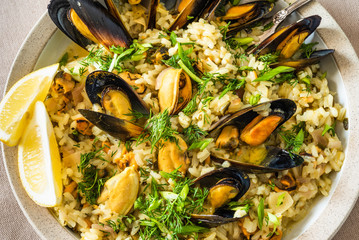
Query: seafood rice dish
[{"x": 180, "y": 121}]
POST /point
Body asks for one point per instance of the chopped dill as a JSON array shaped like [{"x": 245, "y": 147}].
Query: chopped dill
[
  {"x": 158, "y": 130},
  {"x": 64, "y": 59},
  {"x": 193, "y": 134},
  {"x": 92, "y": 181},
  {"x": 169, "y": 213},
  {"x": 308, "y": 49},
  {"x": 294, "y": 138}
]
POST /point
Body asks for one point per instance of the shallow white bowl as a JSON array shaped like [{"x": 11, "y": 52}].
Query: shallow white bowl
[{"x": 44, "y": 46}]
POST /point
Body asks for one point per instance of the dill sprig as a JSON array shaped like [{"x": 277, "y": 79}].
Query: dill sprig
[
  {"x": 158, "y": 130},
  {"x": 193, "y": 134},
  {"x": 294, "y": 138},
  {"x": 308, "y": 49},
  {"x": 169, "y": 212},
  {"x": 92, "y": 183}
]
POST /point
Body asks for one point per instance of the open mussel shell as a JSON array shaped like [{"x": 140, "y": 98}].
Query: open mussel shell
[
  {"x": 246, "y": 14},
  {"x": 58, "y": 12},
  {"x": 107, "y": 29},
  {"x": 276, "y": 160},
  {"x": 236, "y": 177},
  {"x": 116, "y": 127},
  {"x": 305, "y": 62},
  {"x": 220, "y": 217},
  {"x": 288, "y": 39},
  {"x": 218, "y": 178},
  {"x": 98, "y": 81},
  {"x": 189, "y": 10},
  {"x": 283, "y": 107}
]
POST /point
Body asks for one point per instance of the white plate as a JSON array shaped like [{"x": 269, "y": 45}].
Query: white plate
[{"x": 44, "y": 46}]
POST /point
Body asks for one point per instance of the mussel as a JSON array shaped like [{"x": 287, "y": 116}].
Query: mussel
[
  {"x": 246, "y": 14},
  {"x": 118, "y": 100},
  {"x": 189, "y": 10},
  {"x": 304, "y": 61},
  {"x": 225, "y": 185},
  {"x": 173, "y": 155},
  {"x": 252, "y": 128},
  {"x": 175, "y": 90},
  {"x": 87, "y": 21},
  {"x": 287, "y": 41}
]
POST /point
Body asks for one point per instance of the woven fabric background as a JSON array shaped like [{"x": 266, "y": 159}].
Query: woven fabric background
[{"x": 17, "y": 17}]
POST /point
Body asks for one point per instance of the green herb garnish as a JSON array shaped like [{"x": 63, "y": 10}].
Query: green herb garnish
[
  {"x": 308, "y": 49},
  {"x": 201, "y": 145},
  {"x": 273, "y": 219},
  {"x": 280, "y": 199},
  {"x": 260, "y": 213},
  {"x": 170, "y": 212},
  {"x": 268, "y": 76},
  {"x": 91, "y": 184},
  {"x": 64, "y": 59},
  {"x": 158, "y": 130},
  {"x": 193, "y": 134},
  {"x": 329, "y": 129},
  {"x": 254, "y": 99}
]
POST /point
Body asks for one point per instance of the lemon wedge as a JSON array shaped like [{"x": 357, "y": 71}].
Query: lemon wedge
[
  {"x": 18, "y": 103},
  {"x": 39, "y": 160}
]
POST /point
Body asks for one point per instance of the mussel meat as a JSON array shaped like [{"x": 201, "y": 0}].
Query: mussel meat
[
  {"x": 175, "y": 90},
  {"x": 288, "y": 40},
  {"x": 91, "y": 20},
  {"x": 189, "y": 10},
  {"x": 118, "y": 100},
  {"x": 304, "y": 61},
  {"x": 252, "y": 129},
  {"x": 120, "y": 191},
  {"x": 246, "y": 14},
  {"x": 173, "y": 155},
  {"x": 225, "y": 185}
]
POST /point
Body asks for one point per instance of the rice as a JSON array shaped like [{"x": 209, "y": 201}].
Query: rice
[{"x": 316, "y": 108}]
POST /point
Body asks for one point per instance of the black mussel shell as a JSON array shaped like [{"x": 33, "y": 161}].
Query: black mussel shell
[
  {"x": 231, "y": 176},
  {"x": 284, "y": 107},
  {"x": 58, "y": 10},
  {"x": 190, "y": 10},
  {"x": 151, "y": 21},
  {"x": 305, "y": 62},
  {"x": 228, "y": 176},
  {"x": 282, "y": 36},
  {"x": 276, "y": 160},
  {"x": 107, "y": 29},
  {"x": 116, "y": 127},
  {"x": 258, "y": 10},
  {"x": 97, "y": 81},
  {"x": 221, "y": 216}
]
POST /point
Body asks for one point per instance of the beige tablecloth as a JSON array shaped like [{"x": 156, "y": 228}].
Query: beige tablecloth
[{"x": 17, "y": 17}]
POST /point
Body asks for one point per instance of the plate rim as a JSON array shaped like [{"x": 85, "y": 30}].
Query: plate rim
[{"x": 319, "y": 231}]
